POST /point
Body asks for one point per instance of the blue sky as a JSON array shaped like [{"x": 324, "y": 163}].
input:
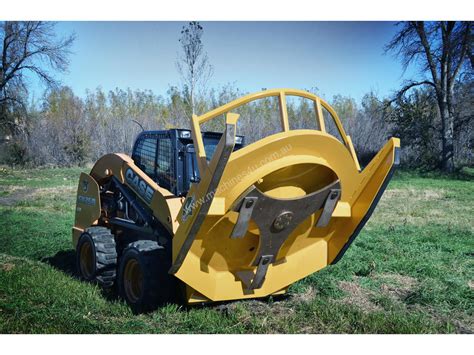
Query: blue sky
[{"x": 337, "y": 57}]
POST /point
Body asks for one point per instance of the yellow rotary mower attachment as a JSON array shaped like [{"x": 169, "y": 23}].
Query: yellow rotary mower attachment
[{"x": 276, "y": 210}]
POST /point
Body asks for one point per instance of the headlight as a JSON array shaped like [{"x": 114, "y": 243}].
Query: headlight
[
  {"x": 238, "y": 140},
  {"x": 185, "y": 134}
]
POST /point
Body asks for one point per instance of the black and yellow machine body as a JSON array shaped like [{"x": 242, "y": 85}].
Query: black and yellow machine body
[{"x": 232, "y": 221}]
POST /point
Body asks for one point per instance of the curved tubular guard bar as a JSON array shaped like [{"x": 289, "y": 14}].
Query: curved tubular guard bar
[
  {"x": 319, "y": 104},
  {"x": 219, "y": 161}
]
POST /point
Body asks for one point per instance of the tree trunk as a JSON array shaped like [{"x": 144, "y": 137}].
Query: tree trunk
[
  {"x": 447, "y": 127},
  {"x": 192, "y": 100}
]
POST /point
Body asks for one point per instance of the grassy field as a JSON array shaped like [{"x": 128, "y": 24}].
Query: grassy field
[{"x": 411, "y": 270}]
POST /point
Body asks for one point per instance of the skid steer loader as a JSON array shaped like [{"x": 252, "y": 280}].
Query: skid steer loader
[{"x": 204, "y": 216}]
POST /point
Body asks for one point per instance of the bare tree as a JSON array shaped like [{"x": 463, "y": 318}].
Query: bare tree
[
  {"x": 443, "y": 50},
  {"x": 28, "y": 47},
  {"x": 193, "y": 63}
]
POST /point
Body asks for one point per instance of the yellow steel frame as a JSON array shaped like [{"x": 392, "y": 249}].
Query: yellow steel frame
[{"x": 319, "y": 104}]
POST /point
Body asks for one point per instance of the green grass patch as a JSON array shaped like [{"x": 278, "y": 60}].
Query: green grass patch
[
  {"x": 411, "y": 270},
  {"x": 43, "y": 177}
]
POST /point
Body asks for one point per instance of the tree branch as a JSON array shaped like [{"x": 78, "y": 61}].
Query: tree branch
[
  {"x": 407, "y": 87},
  {"x": 420, "y": 29},
  {"x": 462, "y": 54}
]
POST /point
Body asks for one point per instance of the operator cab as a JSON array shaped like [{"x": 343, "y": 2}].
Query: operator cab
[{"x": 168, "y": 157}]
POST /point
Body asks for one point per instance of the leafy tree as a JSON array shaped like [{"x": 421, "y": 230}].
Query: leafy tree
[
  {"x": 66, "y": 126},
  {"x": 442, "y": 50},
  {"x": 414, "y": 124},
  {"x": 27, "y": 47}
]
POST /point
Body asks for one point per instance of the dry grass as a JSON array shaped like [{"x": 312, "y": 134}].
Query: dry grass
[
  {"x": 398, "y": 286},
  {"x": 15, "y": 195},
  {"x": 415, "y": 194},
  {"x": 34, "y": 192},
  {"x": 415, "y": 206},
  {"x": 358, "y": 296},
  {"x": 7, "y": 266},
  {"x": 306, "y": 296},
  {"x": 11, "y": 195}
]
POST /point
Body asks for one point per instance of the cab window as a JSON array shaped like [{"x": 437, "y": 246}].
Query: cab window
[
  {"x": 145, "y": 155},
  {"x": 164, "y": 162}
]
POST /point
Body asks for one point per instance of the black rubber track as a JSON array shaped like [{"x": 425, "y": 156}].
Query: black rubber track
[{"x": 104, "y": 253}]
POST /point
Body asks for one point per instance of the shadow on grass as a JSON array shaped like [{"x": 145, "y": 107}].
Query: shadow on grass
[{"x": 65, "y": 261}]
